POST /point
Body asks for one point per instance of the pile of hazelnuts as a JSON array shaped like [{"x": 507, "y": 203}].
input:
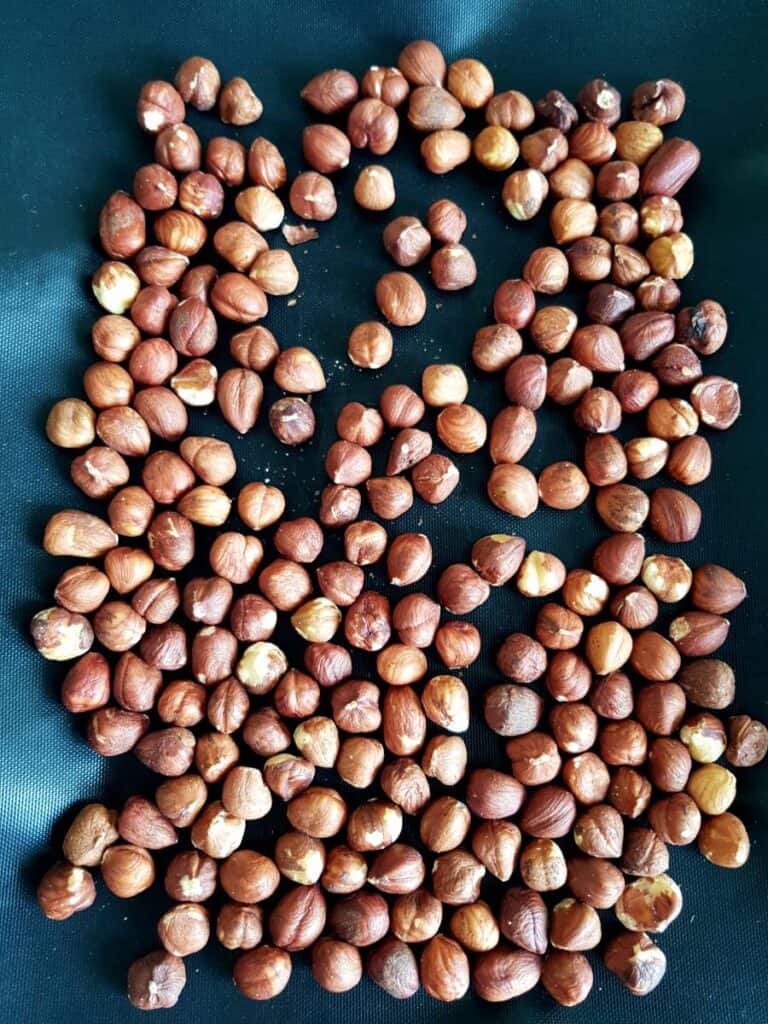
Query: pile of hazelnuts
[{"x": 613, "y": 729}]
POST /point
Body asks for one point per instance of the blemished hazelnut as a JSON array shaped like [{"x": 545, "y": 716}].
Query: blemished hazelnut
[
  {"x": 475, "y": 927},
  {"x": 542, "y": 866},
  {"x": 524, "y": 192},
  {"x": 416, "y": 916},
  {"x": 724, "y": 841},
  {"x": 158, "y": 106},
  {"x": 495, "y": 346},
  {"x": 191, "y": 877},
  {"x": 635, "y": 607},
  {"x": 127, "y": 870},
  {"x": 704, "y": 736},
  {"x": 595, "y": 882},
  {"x": 658, "y": 103},
  {"x": 156, "y": 981},
  {"x": 387, "y": 84},
  {"x": 644, "y": 853},
  {"x": 637, "y": 961},
  {"x": 696, "y": 634},
  {"x": 61, "y": 635},
  {"x": 361, "y": 918},
  {"x": 512, "y": 710},
  {"x": 676, "y": 819},
  {"x": 540, "y": 574},
  {"x": 574, "y": 726},
  {"x": 619, "y": 223},
  {"x": 598, "y": 412},
  {"x": 336, "y": 966},
  {"x": 548, "y": 813},
  {"x": 544, "y": 149},
  {"x": 623, "y": 742},
  {"x": 345, "y": 871},
  {"x": 444, "y": 150},
  {"x": 238, "y": 104},
  {"x": 262, "y": 973},
  {"x": 184, "y": 929},
  {"x": 235, "y": 557},
  {"x": 747, "y": 741},
  {"x": 496, "y": 148},
  {"x": 432, "y": 108},
  {"x": 557, "y": 110},
  {"x": 364, "y": 542},
  {"x": 91, "y": 832},
  {"x": 115, "y": 286},
  {"x": 182, "y": 703},
  {"x": 630, "y": 792},
  {"x": 313, "y": 197},
  {"x": 392, "y": 965},
  {"x": 239, "y": 926},
  {"x": 215, "y": 754}
]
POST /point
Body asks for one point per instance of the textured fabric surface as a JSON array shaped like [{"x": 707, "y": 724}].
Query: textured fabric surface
[{"x": 69, "y": 77}]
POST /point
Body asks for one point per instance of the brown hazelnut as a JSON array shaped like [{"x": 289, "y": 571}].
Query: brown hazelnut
[
  {"x": 367, "y": 624},
  {"x": 86, "y": 686},
  {"x": 456, "y": 877},
  {"x": 112, "y": 731},
  {"x": 92, "y": 831},
  {"x": 191, "y": 877},
  {"x": 235, "y": 557},
  {"x": 496, "y": 148},
  {"x": 374, "y": 125},
  {"x": 361, "y": 918},
  {"x": 239, "y": 926},
  {"x": 444, "y": 150},
  {"x": 416, "y": 916},
  {"x": 328, "y": 663},
  {"x": 159, "y": 105},
  {"x": 287, "y": 775},
  {"x": 365, "y": 542},
  {"x": 644, "y": 853},
  {"x": 587, "y": 778},
  {"x": 669, "y": 765},
  {"x": 330, "y": 91},
  {"x": 156, "y": 981},
  {"x": 474, "y": 926},
  {"x": 567, "y": 381},
  {"x": 512, "y": 710},
  {"x": 313, "y": 197},
  {"x": 336, "y": 966},
  {"x": 127, "y": 870},
  {"x": 630, "y": 792},
  {"x": 444, "y": 824},
  {"x": 341, "y": 582},
  {"x": 298, "y": 918},
  {"x": 548, "y": 813},
  {"x": 154, "y": 187},
  {"x": 184, "y": 929},
  {"x": 595, "y": 882},
  {"x": 676, "y": 819},
  {"x": 567, "y": 977},
  {"x": 431, "y": 108},
  {"x": 713, "y": 788},
  {"x": 574, "y": 726},
  {"x": 406, "y": 785},
  {"x": 387, "y": 84},
  {"x": 262, "y": 973},
  {"x": 178, "y": 148},
  {"x": 260, "y": 505},
  {"x": 598, "y": 412},
  {"x": 637, "y": 961},
  {"x": 619, "y": 224},
  {"x": 359, "y": 761},
  {"x": 724, "y": 841},
  {"x": 623, "y": 742},
  {"x": 534, "y": 758},
  {"x": 524, "y": 192},
  {"x": 568, "y": 676},
  {"x": 542, "y": 866},
  {"x": 574, "y": 926},
  {"x": 747, "y": 742},
  {"x": 115, "y": 286}
]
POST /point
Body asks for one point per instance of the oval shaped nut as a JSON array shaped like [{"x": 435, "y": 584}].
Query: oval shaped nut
[
  {"x": 724, "y": 841},
  {"x": 78, "y": 535},
  {"x": 670, "y": 167},
  {"x": 716, "y": 590},
  {"x": 637, "y": 961},
  {"x": 504, "y": 974},
  {"x": 524, "y": 919}
]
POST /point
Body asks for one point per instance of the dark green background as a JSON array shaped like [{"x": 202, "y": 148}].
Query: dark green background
[{"x": 69, "y": 75}]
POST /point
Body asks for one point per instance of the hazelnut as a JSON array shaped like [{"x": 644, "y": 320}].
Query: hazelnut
[
  {"x": 65, "y": 890},
  {"x": 287, "y": 775},
  {"x": 568, "y": 676},
  {"x": 444, "y": 824},
  {"x": 563, "y": 486},
  {"x": 367, "y": 624},
  {"x": 127, "y": 870},
  {"x": 704, "y": 736},
  {"x": 511, "y": 709},
  {"x": 422, "y": 63},
  {"x": 669, "y": 765},
  {"x": 374, "y": 125},
  {"x": 235, "y": 557},
  {"x": 406, "y": 785},
  {"x": 724, "y": 841},
  {"x": 239, "y": 926},
  {"x": 567, "y": 977},
  {"x": 542, "y": 866},
  {"x": 341, "y": 582},
  {"x": 330, "y": 91},
  {"x": 328, "y": 663},
  {"x": 513, "y": 488},
  {"x": 574, "y": 726},
  {"x": 432, "y": 108},
  {"x": 158, "y": 106},
  {"x": 635, "y": 607},
  {"x": 387, "y": 84},
  {"x": 713, "y": 788},
  {"x": 503, "y": 974},
  {"x": 178, "y": 148},
  {"x": 336, "y": 966},
  {"x": 676, "y": 819},
  {"x": 574, "y": 926},
  {"x": 630, "y": 792},
  {"x": 493, "y": 795},
  {"x": 191, "y": 877},
  {"x": 444, "y": 150},
  {"x": 326, "y": 149},
  {"x": 524, "y": 192},
  {"x": 393, "y": 966},
  {"x": 513, "y": 432},
  {"x": 619, "y": 224},
  {"x": 156, "y": 981},
  {"x": 637, "y": 961},
  {"x": 262, "y": 973},
  {"x": 567, "y": 381},
  {"x": 398, "y": 869},
  {"x": 496, "y": 148},
  {"x": 596, "y": 882},
  {"x": 495, "y": 346},
  {"x": 623, "y": 742},
  {"x": 361, "y": 919},
  {"x": 313, "y": 197},
  {"x": 644, "y": 853},
  {"x": 452, "y": 268},
  {"x": 598, "y": 412},
  {"x": 540, "y": 574},
  {"x": 534, "y": 758},
  {"x": 298, "y": 918},
  {"x": 458, "y": 644},
  {"x": 587, "y": 778},
  {"x": 416, "y": 916},
  {"x": 548, "y": 813},
  {"x": 154, "y": 187},
  {"x": 456, "y": 877},
  {"x": 359, "y": 761},
  {"x": 747, "y": 742},
  {"x": 184, "y": 929},
  {"x": 496, "y": 845},
  {"x": 115, "y": 286},
  {"x": 260, "y": 505}
]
